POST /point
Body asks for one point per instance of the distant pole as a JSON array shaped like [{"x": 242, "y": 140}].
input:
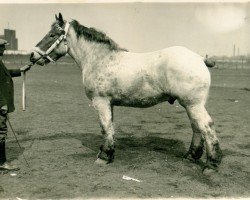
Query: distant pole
[{"x": 238, "y": 51}]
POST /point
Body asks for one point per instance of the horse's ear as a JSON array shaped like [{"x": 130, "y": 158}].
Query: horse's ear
[
  {"x": 60, "y": 17},
  {"x": 56, "y": 17}
]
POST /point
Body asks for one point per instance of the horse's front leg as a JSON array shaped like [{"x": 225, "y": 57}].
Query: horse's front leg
[{"x": 105, "y": 112}]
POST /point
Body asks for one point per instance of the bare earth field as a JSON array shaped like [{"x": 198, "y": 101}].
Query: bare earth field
[{"x": 60, "y": 137}]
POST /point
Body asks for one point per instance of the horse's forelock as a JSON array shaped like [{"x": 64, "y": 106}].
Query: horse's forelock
[{"x": 56, "y": 26}]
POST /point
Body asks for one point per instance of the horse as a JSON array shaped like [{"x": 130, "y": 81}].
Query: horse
[{"x": 113, "y": 76}]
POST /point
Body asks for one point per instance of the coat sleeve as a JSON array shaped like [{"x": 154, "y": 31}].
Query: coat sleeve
[{"x": 15, "y": 72}]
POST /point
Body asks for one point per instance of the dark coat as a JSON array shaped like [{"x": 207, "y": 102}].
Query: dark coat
[{"x": 7, "y": 87}]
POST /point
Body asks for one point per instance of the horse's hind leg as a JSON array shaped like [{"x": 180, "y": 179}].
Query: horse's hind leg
[
  {"x": 105, "y": 111},
  {"x": 203, "y": 127}
]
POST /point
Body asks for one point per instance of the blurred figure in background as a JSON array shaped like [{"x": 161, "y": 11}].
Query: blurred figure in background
[{"x": 6, "y": 103}]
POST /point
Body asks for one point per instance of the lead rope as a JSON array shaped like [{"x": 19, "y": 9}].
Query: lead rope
[{"x": 17, "y": 140}]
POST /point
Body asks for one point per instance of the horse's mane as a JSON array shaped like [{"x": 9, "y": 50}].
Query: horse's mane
[{"x": 91, "y": 34}]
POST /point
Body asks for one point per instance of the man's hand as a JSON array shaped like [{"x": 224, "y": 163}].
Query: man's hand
[{"x": 25, "y": 68}]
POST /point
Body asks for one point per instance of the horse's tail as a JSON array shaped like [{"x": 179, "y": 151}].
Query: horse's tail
[{"x": 209, "y": 63}]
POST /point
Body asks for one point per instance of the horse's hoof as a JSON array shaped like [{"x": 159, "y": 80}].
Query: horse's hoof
[
  {"x": 107, "y": 155},
  {"x": 100, "y": 161}
]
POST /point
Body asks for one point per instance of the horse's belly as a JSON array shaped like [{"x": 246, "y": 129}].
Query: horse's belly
[
  {"x": 138, "y": 91},
  {"x": 141, "y": 102},
  {"x": 142, "y": 94}
]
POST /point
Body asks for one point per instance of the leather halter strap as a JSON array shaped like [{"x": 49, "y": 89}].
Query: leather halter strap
[{"x": 53, "y": 46}]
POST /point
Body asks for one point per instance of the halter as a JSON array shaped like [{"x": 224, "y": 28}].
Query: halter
[{"x": 53, "y": 46}]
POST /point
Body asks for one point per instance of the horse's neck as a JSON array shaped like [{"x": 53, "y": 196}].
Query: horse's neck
[{"x": 86, "y": 54}]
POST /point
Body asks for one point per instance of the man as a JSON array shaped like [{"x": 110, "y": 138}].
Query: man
[{"x": 6, "y": 103}]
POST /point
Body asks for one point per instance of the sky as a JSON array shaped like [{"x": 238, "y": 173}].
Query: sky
[{"x": 207, "y": 28}]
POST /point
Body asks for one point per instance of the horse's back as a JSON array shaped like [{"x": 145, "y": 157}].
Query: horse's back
[
  {"x": 176, "y": 56},
  {"x": 176, "y": 64}
]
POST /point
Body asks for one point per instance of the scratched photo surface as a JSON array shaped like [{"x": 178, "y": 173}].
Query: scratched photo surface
[{"x": 59, "y": 131}]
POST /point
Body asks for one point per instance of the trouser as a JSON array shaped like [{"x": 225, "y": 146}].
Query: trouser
[{"x": 3, "y": 133}]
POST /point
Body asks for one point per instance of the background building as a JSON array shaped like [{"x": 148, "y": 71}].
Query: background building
[{"x": 10, "y": 36}]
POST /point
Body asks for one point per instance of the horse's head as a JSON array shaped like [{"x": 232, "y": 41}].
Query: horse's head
[{"x": 53, "y": 45}]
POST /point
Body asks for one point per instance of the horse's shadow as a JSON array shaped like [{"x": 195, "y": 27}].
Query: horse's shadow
[
  {"x": 154, "y": 149},
  {"x": 148, "y": 143},
  {"x": 127, "y": 147},
  {"x": 132, "y": 148},
  {"x": 171, "y": 147}
]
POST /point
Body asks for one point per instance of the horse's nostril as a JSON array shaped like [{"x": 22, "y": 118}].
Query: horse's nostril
[{"x": 32, "y": 54}]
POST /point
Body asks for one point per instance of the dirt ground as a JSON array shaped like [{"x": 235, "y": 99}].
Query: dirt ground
[{"x": 60, "y": 137}]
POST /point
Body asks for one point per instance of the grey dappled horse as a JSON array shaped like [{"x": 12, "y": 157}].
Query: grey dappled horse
[{"x": 112, "y": 76}]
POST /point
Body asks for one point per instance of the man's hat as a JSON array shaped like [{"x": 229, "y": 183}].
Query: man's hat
[{"x": 3, "y": 42}]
